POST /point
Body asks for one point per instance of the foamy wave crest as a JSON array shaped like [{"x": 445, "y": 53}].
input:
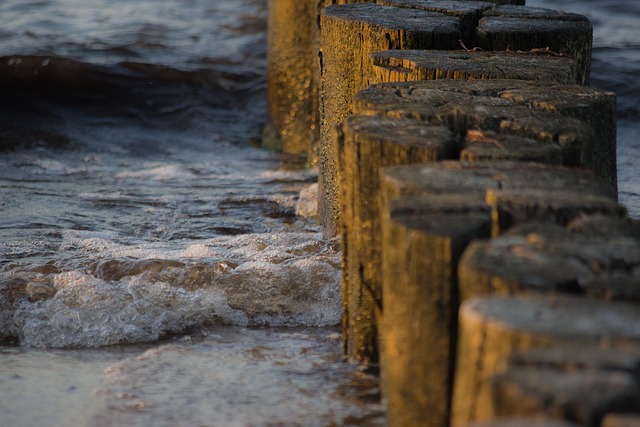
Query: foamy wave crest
[{"x": 142, "y": 294}]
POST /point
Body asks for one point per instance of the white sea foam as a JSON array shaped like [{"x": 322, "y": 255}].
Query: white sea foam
[
  {"x": 157, "y": 171},
  {"x": 128, "y": 293}
]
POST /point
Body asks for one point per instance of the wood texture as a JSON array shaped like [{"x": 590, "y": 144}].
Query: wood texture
[
  {"x": 468, "y": 12},
  {"x": 349, "y": 34},
  {"x": 492, "y": 328},
  {"x": 422, "y": 242},
  {"x": 433, "y": 212},
  {"x": 577, "y": 382},
  {"x": 365, "y": 145},
  {"x": 630, "y": 419},
  {"x": 526, "y": 28},
  {"x": 411, "y": 65},
  {"x": 548, "y": 258},
  {"x": 476, "y": 179},
  {"x": 524, "y": 422},
  {"x": 580, "y": 120},
  {"x": 293, "y": 75}
]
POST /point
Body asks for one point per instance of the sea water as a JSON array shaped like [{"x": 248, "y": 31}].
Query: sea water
[{"x": 154, "y": 266}]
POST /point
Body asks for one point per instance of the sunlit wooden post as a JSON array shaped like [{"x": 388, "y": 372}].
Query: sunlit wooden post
[
  {"x": 349, "y": 34},
  {"x": 293, "y": 75}
]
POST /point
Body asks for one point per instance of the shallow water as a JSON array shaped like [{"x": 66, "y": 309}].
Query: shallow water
[
  {"x": 134, "y": 204},
  {"x": 153, "y": 269},
  {"x": 223, "y": 376}
]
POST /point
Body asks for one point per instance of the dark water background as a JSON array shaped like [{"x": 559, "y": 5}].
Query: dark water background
[
  {"x": 137, "y": 214},
  {"x": 615, "y": 67}
]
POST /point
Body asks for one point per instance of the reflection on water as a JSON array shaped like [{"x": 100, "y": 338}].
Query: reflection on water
[{"x": 226, "y": 376}]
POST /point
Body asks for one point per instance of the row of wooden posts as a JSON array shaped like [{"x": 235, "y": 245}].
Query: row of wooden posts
[{"x": 471, "y": 174}]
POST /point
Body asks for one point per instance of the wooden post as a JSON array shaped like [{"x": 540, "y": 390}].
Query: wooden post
[
  {"x": 575, "y": 381},
  {"x": 290, "y": 75},
  {"x": 293, "y": 75},
  {"x": 475, "y": 179},
  {"x": 631, "y": 419},
  {"x": 581, "y": 120},
  {"x": 349, "y": 34},
  {"x": 556, "y": 206},
  {"x": 526, "y": 28},
  {"x": 410, "y": 65},
  {"x": 433, "y": 211},
  {"x": 548, "y": 258},
  {"x": 583, "y": 395},
  {"x": 422, "y": 241},
  {"x": 468, "y": 12},
  {"x": 596, "y": 108},
  {"x": 365, "y": 145},
  {"x": 492, "y": 328},
  {"x": 536, "y": 421}
]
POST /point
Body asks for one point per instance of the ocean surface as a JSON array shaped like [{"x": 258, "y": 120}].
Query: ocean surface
[{"x": 155, "y": 265}]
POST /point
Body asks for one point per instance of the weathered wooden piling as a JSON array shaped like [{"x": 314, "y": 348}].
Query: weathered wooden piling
[
  {"x": 422, "y": 241},
  {"x": 411, "y": 65},
  {"x": 293, "y": 75},
  {"x": 526, "y": 28},
  {"x": 467, "y": 12},
  {"x": 349, "y": 34},
  {"x": 561, "y": 382},
  {"x": 290, "y": 76},
  {"x": 621, "y": 419},
  {"x": 476, "y": 179},
  {"x": 433, "y": 211},
  {"x": 536, "y": 421},
  {"x": 549, "y": 258},
  {"x": 553, "y": 206},
  {"x": 365, "y": 145},
  {"x": 416, "y": 238},
  {"x": 541, "y": 136},
  {"x": 581, "y": 120},
  {"x": 493, "y": 328}
]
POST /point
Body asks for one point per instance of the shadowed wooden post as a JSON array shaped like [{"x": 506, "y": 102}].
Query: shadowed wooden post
[
  {"x": 493, "y": 328},
  {"x": 574, "y": 381},
  {"x": 621, "y": 419},
  {"x": 349, "y": 34},
  {"x": 516, "y": 193},
  {"x": 580, "y": 120},
  {"x": 365, "y": 145},
  {"x": 526, "y": 28},
  {"x": 548, "y": 258},
  {"x": 524, "y": 422},
  {"x": 468, "y": 12},
  {"x": 583, "y": 396},
  {"x": 433, "y": 211},
  {"x": 410, "y": 65},
  {"x": 594, "y": 107}
]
